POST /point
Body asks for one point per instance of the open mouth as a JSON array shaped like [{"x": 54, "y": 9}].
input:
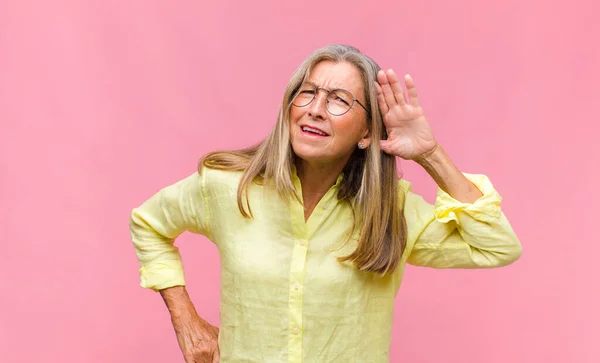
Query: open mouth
[{"x": 312, "y": 131}]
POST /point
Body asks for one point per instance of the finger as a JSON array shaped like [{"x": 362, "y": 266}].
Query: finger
[
  {"x": 383, "y": 107},
  {"x": 384, "y": 145},
  {"x": 388, "y": 94},
  {"x": 396, "y": 86},
  {"x": 411, "y": 90}
]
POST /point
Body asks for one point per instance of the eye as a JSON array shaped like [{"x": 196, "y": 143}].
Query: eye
[
  {"x": 341, "y": 100},
  {"x": 307, "y": 92}
]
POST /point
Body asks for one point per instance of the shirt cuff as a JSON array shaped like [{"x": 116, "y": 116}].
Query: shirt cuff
[
  {"x": 486, "y": 208},
  {"x": 162, "y": 275}
]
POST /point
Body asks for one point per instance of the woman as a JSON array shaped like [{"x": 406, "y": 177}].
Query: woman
[{"x": 314, "y": 227}]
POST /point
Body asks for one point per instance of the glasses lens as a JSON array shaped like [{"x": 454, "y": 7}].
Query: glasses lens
[
  {"x": 339, "y": 101},
  {"x": 305, "y": 95}
]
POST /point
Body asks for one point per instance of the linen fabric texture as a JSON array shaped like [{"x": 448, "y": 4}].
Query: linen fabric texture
[{"x": 284, "y": 297}]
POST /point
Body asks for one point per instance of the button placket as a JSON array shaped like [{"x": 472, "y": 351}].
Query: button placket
[{"x": 296, "y": 279}]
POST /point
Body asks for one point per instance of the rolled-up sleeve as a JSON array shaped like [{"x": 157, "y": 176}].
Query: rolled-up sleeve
[
  {"x": 453, "y": 234},
  {"x": 156, "y": 224}
]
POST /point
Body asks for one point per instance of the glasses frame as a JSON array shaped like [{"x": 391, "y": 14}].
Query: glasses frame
[{"x": 317, "y": 89}]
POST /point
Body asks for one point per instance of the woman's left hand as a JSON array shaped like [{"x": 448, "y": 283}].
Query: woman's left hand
[{"x": 409, "y": 134}]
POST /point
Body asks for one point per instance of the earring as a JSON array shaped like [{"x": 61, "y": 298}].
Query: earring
[{"x": 361, "y": 145}]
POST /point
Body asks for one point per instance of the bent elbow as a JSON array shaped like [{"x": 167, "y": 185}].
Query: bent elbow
[{"x": 510, "y": 254}]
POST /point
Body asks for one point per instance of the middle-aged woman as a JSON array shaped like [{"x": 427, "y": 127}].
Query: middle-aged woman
[{"x": 314, "y": 226}]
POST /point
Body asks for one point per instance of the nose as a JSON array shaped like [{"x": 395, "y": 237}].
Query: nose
[{"x": 318, "y": 106}]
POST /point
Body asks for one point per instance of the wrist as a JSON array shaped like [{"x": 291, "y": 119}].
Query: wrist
[{"x": 433, "y": 157}]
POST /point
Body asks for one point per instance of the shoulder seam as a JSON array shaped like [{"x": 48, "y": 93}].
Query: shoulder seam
[{"x": 206, "y": 205}]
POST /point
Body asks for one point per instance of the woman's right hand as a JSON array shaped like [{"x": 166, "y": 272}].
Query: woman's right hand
[{"x": 197, "y": 339}]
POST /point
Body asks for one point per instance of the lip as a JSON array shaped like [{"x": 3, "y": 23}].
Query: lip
[{"x": 313, "y": 127}]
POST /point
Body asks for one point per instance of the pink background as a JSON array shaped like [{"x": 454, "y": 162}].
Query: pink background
[{"x": 103, "y": 103}]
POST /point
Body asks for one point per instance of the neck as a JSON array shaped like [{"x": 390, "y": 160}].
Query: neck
[{"x": 317, "y": 178}]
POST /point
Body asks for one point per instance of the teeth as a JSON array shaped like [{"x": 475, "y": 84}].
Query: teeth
[{"x": 306, "y": 128}]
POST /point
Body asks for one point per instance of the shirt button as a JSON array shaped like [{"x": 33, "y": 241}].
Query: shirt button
[
  {"x": 302, "y": 243},
  {"x": 295, "y": 331},
  {"x": 296, "y": 286}
]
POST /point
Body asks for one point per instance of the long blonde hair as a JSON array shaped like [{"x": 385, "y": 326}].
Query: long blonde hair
[{"x": 370, "y": 182}]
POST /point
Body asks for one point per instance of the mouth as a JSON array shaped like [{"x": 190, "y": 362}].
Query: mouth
[{"x": 313, "y": 131}]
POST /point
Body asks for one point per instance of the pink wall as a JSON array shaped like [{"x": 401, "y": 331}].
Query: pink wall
[{"x": 103, "y": 103}]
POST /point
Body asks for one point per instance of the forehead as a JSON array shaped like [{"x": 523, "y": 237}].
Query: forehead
[{"x": 332, "y": 75}]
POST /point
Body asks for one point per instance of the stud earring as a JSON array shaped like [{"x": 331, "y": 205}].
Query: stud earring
[{"x": 361, "y": 145}]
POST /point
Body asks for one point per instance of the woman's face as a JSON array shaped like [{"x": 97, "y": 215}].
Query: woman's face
[{"x": 316, "y": 135}]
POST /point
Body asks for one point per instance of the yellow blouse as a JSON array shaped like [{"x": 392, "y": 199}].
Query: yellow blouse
[{"x": 284, "y": 296}]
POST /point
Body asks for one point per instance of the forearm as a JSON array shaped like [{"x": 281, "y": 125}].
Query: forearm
[
  {"x": 198, "y": 339},
  {"x": 178, "y": 302},
  {"x": 448, "y": 177}
]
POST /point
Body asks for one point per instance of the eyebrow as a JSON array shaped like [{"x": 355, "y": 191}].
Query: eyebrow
[
  {"x": 345, "y": 89},
  {"x": 309, "y": 82}
]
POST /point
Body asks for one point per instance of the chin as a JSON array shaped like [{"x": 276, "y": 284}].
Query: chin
[{"x": 307, "y": 153}]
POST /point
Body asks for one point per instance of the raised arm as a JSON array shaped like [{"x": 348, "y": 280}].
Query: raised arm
[
  {"x": 455, "y": 234},
  {"x": 467, "y": 228}
]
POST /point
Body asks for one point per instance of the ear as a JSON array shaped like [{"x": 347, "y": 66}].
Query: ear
[{"x": 366, "y": 138}]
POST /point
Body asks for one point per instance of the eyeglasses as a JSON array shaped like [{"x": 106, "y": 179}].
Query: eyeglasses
[{"x": 339, "y": 101}]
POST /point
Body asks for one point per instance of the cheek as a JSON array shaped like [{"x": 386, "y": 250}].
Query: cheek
[
  {"x": 295, "y": 114},
  {"x": 349, "y": 129}
]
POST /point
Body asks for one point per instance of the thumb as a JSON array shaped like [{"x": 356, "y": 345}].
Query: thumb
[
  {"x": 216, "y": 356},
  {"x": 385, "y": 146}
]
